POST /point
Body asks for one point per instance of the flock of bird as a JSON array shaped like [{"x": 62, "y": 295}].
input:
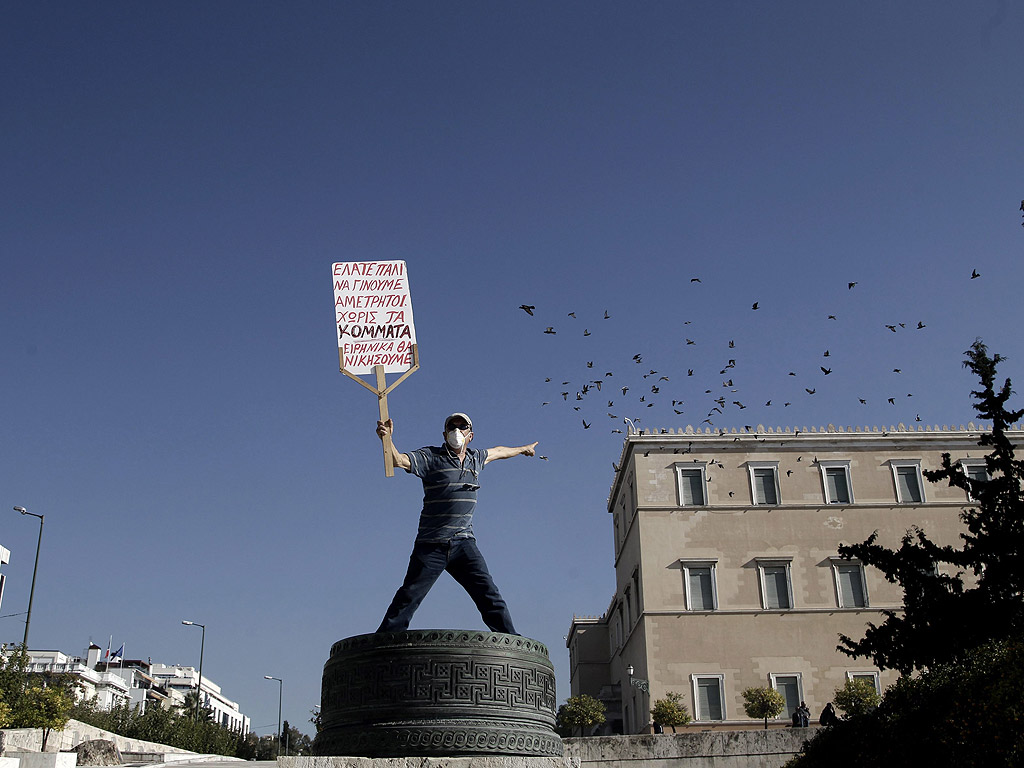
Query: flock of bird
[{"x": 709, "y": 396}]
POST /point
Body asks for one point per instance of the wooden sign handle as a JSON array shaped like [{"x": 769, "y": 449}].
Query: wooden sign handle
[
  {"x": 382, "y": 402},
  {"x": 381, "y": 391}
]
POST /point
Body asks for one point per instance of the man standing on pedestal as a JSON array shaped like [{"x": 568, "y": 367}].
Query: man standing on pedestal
[{"x": 445, "y": 540}]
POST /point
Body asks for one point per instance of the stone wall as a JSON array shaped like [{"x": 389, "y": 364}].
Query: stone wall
[
  {"x": 31, "y": 740},
  {"x": 706, "y": 749}
]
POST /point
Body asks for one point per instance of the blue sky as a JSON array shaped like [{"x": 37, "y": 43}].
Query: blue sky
[{"x": 179, "y": 178}]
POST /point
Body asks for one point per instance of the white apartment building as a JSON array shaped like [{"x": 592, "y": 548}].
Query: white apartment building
[
  {"x": 5, "y": 557},
  {"x": 179, "y": 680},
  {"x": 139, "y": 683},
  {"x": 107, "y": 688}
]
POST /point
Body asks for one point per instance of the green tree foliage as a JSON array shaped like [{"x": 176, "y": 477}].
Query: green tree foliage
[
  {"x": 5, "y": 715},
  {"x": 857, "y": 697},
  {"x": 295, "y": 743},
  {"x": 579, "y": 712},
  {"x": 670, "y": 711},
  {"x": 13, "y": 675},
  {"x": 174, "y": 726},
  {"x": 763, "y": 703},
  {"x": 966, "y": 714},
  {"x": 942, "y": 617},
  {"x": 45, "y": 708}
]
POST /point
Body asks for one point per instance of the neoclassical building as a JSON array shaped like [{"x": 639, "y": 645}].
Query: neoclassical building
[{"x": 727, "y": 568}]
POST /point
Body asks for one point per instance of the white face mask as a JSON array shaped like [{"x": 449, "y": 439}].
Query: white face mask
[{"x": 455, "y": 439}]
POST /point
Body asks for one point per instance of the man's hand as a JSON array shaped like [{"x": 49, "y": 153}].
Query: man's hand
[
  {"x": 503, "y": 452},
  {"x": 385, "y": 429}
]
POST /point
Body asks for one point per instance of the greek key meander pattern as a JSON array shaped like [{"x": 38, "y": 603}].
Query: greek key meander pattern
[
  {"x": 469, "y": 681},
  {"x": 439, "y": 740},
  {"x": 448, "y": 638}
]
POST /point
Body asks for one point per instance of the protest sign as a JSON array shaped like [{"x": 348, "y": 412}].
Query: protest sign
[
  {"x": 376, "y": 334},
  {"x": 373, "y": 312}
]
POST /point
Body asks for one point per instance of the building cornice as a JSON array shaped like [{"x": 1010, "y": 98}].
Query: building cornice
[{"x": 795, "y": 438}]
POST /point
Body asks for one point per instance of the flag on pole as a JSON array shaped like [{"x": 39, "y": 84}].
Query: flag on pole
[{"x": 118, "y": 652}]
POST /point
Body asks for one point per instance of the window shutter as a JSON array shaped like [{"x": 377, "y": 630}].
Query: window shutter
[{"x": 701, "y": 597}]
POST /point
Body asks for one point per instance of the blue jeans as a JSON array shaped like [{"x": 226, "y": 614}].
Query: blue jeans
[{"x": 462, "y": 559}]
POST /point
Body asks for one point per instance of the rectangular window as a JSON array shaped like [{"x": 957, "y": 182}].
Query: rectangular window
[
  {"x": 764, "y": 483},
  {"x": 699, "y": 585},
  {"x": 835, "y": 476},
  {"x": 789, "y": 687},
  {"x": 635, "y": 589},
  {"x": 776, "y": 588},
  {"x": 851, "y": 588},
  {"x": 870, "y": 676},
  {"x": 976, "y": 473},
  {"x": 692, "y": 485},
  {"x": 707, "y": 697},
  {"x": 908, "y": 483}
]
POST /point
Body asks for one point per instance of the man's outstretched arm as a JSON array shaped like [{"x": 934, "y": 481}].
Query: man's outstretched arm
[
  {"x": 400, "y": 460},
  {"x": 503, "y": 452}
]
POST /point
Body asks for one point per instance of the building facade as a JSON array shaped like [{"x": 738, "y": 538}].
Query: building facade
[
  {"x": 179, "y": 680},
  {"x": 138, "y": 683},
  {"x": 108, "y": 689},
  {"x": 727, "y": 568}
]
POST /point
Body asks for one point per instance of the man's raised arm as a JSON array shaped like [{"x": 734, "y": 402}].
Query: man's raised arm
[
  {"x": 400, "y": 460},
  {"x": 503, "y": 452}
]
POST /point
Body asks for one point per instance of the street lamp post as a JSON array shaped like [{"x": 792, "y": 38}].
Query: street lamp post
[
  {"x": 202, "y": 646},
  {"x": 32, "y": 591},
  {"x": 637, "y": 682},
  {"x": 280, "y": 694}
]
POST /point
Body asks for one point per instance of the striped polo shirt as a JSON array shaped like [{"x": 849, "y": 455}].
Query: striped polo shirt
[{"x": 449, "y": 492}]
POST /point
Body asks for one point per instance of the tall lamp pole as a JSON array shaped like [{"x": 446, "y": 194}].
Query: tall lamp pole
[
  {"x": 202, "y": 645},
  {"x": 280, "y": 693},
  {"x": 32, "y": 591}
]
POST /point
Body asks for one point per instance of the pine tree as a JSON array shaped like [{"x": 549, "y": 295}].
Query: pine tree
[{"x": 943, "y": 618}]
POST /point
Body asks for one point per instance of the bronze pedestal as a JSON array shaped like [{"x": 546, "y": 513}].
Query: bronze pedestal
[{"x": 438, "y": 692}]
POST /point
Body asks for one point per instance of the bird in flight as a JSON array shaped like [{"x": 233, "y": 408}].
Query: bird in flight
[
  {"x": 527, "y": 308},
  {"x": 850, "y": 285},
  {"x": 755, "y": 305},
  {"x": 825, "y": 370},
  {"x": 549, "y": 329},
  {"x": 974, "y": 274}
]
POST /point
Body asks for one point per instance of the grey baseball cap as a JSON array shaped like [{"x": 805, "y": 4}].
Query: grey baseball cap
[{"x": 454, "y": 417}]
